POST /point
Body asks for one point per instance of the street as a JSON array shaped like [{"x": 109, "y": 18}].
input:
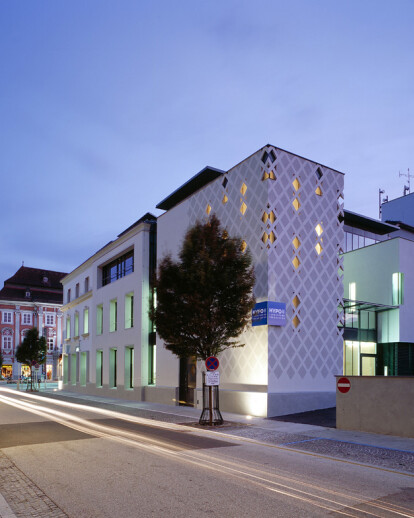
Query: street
[{"x": 94, "y": 462}]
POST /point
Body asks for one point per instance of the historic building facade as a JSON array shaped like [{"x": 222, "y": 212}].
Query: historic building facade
[{"x": 31, "y": 298}]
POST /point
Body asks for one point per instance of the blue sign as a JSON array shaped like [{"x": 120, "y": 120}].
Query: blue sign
[{"x": 269, "y": 313}]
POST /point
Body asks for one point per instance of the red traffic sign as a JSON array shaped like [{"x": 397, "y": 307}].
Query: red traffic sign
[
  {"x": 343, "y": 385},
  {"x": 212, "y": 363}
]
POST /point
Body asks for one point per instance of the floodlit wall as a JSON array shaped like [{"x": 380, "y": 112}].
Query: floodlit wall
[{"x": 285, "y": 208}]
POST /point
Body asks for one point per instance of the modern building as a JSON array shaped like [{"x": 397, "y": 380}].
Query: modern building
[
  {"x": 109, "y": 344},
  {"x": 379, "y": 292},
  {"x": 289, "y": 213},
  {"x": 31, "y": 298}
]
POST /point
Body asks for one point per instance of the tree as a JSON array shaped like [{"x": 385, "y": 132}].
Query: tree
[
  {"x": 31, "y": 351},
  {"x": 205, "y": 298}
]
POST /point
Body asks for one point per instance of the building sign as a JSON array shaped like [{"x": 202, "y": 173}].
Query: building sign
[{"x": 269, "y": 314}]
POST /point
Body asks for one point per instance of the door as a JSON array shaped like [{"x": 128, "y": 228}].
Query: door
[
  {"x": 368, "y": 364},
  {"x": 188, "y": 381}
]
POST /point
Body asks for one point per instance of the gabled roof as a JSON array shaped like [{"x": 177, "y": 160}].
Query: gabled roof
[
  {"x": 43, "y": 286},
  {"x": 205, "y": 176},
  {"x": 146, "y": 218}
]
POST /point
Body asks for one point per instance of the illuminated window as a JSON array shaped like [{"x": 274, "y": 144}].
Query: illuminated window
[
  {"x": 99, "y": 319},
  {"x": 225, "y": 199},
  {"x": 318, "y": 248},
  {"x": 296, "y": 262},
  {"x": 318, "y": 191},
  {"x": 67, "y": 328},
  {"x": 86, "y": 321},
  {"x": 265, "y": 237},
  {"x": 243, "y": 246},
  {"x": 296, "y": 243},
  {"x": 99, "y": 368},
  {"x": 296, "y": 301},
  {"x": 243, "y": 208},
  {"x": 272, "y": 217},
  {"x": 129, "y": 310},
  {"x": 296, "y": 321},
  {"x": 208, "y": 210},
  {"x": 397, "y": 289},
  {"x": 318, "y": 229},
  {"x": 113, "y": 315},
  {"x": 352, "y": 291},
  {"x": 243, "y": 189},
  {"x": 264, "y": 217},
  {"x": 268, "y": 176},
  {"x": 272, "y": 237},
  {"x": 76, "y": 330},
  {"x": 296, "y": 204},
  {"x": 296, "y": 184}
]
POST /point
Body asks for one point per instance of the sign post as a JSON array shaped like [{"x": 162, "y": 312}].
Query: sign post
[{"x": 211, "y": 381}]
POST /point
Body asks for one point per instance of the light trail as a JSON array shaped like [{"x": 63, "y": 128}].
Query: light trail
[{"x": 321, "y": 497}]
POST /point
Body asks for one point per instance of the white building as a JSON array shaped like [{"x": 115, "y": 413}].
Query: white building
[
  {"x": 287, "y": 210},
  {"x": 107, "y": 341}
]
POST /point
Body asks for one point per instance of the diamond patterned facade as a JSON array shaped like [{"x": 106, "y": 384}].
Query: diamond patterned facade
[{"x": 275, "y": 201}]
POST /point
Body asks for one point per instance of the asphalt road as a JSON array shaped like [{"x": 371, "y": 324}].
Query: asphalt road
[{"x": 80, "y": 461}]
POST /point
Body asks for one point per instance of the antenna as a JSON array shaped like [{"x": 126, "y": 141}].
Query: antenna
[
  {"x": 381, "y": 191},
  {"x": 407, "y": 188}
]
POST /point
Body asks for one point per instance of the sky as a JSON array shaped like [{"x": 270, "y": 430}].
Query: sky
[{"x": 106, "y": 107}]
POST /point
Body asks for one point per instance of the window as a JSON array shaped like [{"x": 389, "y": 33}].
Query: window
[
  {"x": 129, "y": 310},
  {"x": 27, "y": 319},
  {"x": 73, "y": 369},
  {"x": 113, "y": 366},
  {"x": 129, "y": 367},
  {"x": 99, "y": 319},
  {"x": 113, "y": 315},
  {"x": 50, "y": 343},
  {"x": 7, "y": 317},
  {"x": 77, "y": 290},
  {"x": 86, "y": 321},
  {"x": 119, "y": 268},
  {"x": 76, "y": 330},
  {"x": 68, "y": 296},
  {"x": 50, "y": 319},
  {"x": 397, "y": 289},
  {"x": 86, "y": 284},
  {"x": 67, "y": 328},
  {"x": 7, "y": 342},
  {"x": 352, "y": 291},
  {"x": 99, "y": 368}
]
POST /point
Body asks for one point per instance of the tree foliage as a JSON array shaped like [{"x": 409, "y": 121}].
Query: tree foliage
[
  {"x": 32, "y": 350},
  {"x": 205, "y": 298}
]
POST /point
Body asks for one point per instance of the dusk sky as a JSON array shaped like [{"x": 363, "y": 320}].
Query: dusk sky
[{"x": 106, "y": 107}]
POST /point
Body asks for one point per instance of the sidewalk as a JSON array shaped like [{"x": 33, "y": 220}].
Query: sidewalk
[{"x": 388, "y": 452}]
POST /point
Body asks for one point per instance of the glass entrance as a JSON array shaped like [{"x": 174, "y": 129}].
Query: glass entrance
[
  {"x": 368, "y": 364},
  {"x": 188, "y": 381}
]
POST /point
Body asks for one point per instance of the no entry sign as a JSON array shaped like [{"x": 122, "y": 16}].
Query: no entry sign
[
  {"x": 212, "y": 363},
  {"x": 343, "y": 385}
]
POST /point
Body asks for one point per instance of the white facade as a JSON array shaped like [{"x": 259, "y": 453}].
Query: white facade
[
  {"x": 106, "y": 336},
  {"x": 286, "y": 209}
]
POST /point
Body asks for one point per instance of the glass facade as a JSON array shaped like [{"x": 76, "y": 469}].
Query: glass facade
[{"x": 118, "y": 268}]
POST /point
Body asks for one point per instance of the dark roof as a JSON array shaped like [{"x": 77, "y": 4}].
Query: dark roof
[
  {"x": 401, "y": 225},
  {"x": 146, "y": 218},
  {"x": 364, "y": 223},
  {"x": 43, "y": 285},
  {"x": 205, "y": 176}
]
